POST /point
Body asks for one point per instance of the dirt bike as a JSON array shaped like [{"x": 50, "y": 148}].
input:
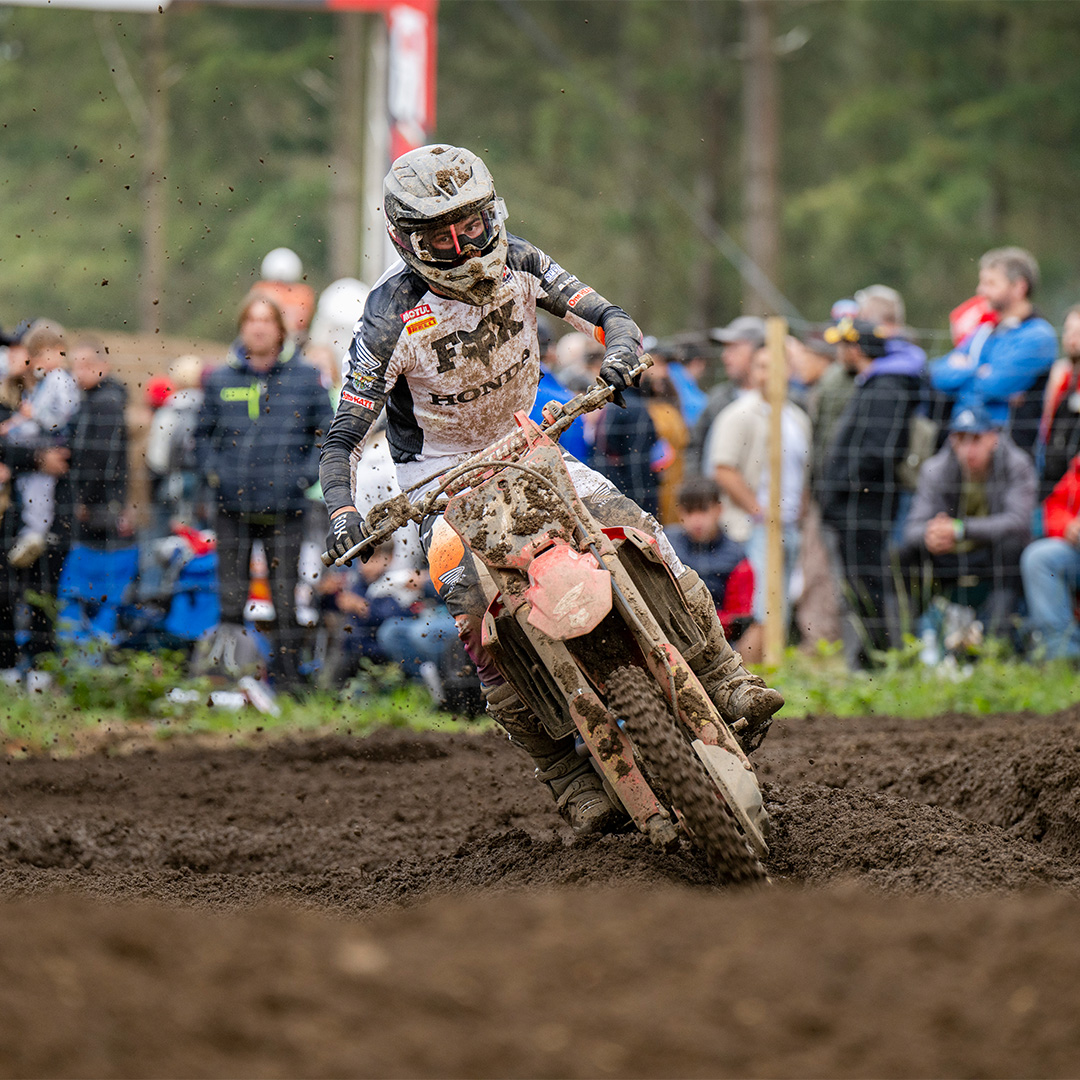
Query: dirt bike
[{"x": 589, "y": 626}]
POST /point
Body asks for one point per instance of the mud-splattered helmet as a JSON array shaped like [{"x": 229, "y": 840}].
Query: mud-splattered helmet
[{"x": 447, "y": 222}]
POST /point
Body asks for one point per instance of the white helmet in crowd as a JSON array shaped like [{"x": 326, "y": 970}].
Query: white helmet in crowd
[
  {"x": 340, "y": 305},
  {"x": 447, "y": 222},
  {"x": 282, "y": 264}
]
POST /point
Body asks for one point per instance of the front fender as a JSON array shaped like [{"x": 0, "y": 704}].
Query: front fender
[{"x": 569, "y": 592}]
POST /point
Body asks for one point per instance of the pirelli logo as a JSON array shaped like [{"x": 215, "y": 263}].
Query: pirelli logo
[
  {"x": 422, "y": 324},
  {"x": 356, "y": 399}
]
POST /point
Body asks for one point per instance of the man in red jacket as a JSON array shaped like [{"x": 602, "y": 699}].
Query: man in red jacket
[{"x": 1051, "y": 570}]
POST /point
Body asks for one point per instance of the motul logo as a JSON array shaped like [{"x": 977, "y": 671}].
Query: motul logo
[{"x": 416, "y": 312}]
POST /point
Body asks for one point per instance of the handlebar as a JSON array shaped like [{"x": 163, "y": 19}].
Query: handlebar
[{"x": 387, "y": 517}]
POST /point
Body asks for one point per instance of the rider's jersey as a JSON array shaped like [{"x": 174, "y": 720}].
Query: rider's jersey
[{"x": 452, "y": 374}]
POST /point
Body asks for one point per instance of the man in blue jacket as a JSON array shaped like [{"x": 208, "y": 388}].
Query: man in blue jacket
[
  {"x": 1003, "y": 364},
  {"x": 257, "y": 443}
]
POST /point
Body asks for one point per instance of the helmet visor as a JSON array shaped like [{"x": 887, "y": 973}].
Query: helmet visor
[{"x": 452, "y": 243}]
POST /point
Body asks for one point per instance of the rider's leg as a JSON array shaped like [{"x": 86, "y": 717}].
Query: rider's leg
[
  {"x": 735, "y": 691},
  {"x": 577, "y": 788}
]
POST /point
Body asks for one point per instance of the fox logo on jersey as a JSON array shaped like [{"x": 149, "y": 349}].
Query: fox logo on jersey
[{"x": 496, "y": 328}]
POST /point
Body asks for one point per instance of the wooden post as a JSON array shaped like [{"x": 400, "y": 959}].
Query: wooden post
[{"x": 775, "y": 336}]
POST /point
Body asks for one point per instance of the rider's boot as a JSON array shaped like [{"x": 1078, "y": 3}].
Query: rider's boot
[
  {"x": 736, "y": 692},
  {"x": 578, "y": 790}
]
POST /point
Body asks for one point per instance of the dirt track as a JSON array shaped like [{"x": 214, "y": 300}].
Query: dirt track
[{"x": 411, "y": 905}]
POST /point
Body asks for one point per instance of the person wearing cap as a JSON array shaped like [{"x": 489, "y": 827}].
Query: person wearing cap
[
  {"x": 741, "y": 338},
  {"x": 971, "y": 519},
  {"x": 860, "y": 485},
  {"x": 1004, "y": 363}
]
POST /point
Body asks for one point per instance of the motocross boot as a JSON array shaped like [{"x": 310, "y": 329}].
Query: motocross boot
[
  {"x": 738, "y": 694},
  {"x": 578, "y": 790}
]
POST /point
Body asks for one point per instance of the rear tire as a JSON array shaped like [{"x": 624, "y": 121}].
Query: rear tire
[{"x": 635, "y": 698}]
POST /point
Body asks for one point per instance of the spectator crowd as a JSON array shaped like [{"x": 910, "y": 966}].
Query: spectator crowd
[{"x": 933, "y": 497}]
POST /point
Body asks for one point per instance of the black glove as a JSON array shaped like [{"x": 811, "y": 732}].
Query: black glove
[
  {"x": 615, "y": 371},
  {"x": 346, "y": 531}
]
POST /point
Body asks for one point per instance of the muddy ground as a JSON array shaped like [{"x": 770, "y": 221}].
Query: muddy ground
[{"x": 410, "y": 905}]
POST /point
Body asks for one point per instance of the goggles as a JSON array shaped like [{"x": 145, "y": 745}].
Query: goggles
[{"x": 455, "y": 242}]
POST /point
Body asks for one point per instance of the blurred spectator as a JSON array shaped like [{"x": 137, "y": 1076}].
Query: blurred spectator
[
  {"x": 701, "y": 543},
  {"x": 883, "y": 306},
  {"x": 99, "y": 457},
  {"x": 623, "y": 443},
  {"x": 41, "y": 576},
  {"x": 1050, "y": 569},
  {"x": 103, "y": 562},
  {"x": 550, "y": 389},
  {"x": 257, "y": 444},
  {"x": 1060, "y": 433},
  {"x": 860, "y": 483},
  {"x": 362, "y": 609},
  {"x": 417, "y": 640},
  {"x": 810, "y": 360},
  {"x": 686, "y": 366},
  {"x": 1003, "y": 365},
  {"x": 813, "y": 364},
  {"x": 282, "y": 280},
  {"x": 971, "y": 519},
  {"x": 672, "y": 435},
  {"x": 741, "y": 338},
  {"x": 576, "y": 358},
  {"x": 737, "y": 453},
  {"x": 45, "y": 412},
  {"x": 170, "y": 451}
]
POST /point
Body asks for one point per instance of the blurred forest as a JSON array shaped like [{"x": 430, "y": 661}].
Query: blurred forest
[{"x": 912, "y": 137}]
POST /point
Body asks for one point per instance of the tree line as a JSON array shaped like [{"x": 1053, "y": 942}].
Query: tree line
[{"x": 910, "y": 138}]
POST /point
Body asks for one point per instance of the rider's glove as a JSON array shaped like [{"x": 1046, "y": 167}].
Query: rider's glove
[
  {"x": 346, "y": 531},
  {"x": 615, "y": 371}
]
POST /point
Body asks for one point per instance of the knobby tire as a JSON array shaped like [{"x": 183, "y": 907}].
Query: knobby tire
[{"x": 636, "y": 699}]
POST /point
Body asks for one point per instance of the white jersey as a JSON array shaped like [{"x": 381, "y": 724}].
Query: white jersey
[{"x": 452, "y": 374}]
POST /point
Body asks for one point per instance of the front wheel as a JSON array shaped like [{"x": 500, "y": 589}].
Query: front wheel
[{"x": 634, "y": 697}]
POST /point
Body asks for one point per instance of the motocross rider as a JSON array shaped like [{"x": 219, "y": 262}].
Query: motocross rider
[{"x": 448, "y": 343}]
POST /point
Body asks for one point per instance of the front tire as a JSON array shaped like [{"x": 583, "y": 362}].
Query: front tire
[{"x": 635, "y": 698}]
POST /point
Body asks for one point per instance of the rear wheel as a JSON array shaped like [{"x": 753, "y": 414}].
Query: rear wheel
[{"x": 636, "y": 699}]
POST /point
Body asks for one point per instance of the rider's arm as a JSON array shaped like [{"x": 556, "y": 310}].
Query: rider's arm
[
  {"x": 362, "y": 397},
  {"x": 564, "y": 296}
]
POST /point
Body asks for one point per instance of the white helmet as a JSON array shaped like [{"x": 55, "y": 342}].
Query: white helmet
[
  {"x": 282, "y": 264},
  {"x": 447, "y": 222}
]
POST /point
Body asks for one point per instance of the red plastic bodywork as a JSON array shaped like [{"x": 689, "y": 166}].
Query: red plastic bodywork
[{"x": 568, "y": 592}]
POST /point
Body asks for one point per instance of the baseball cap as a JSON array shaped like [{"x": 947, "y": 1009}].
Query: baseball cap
[
  {"x": 972, "y": 420},
  {"x": 749, "y": 328},
  {"x": 857, "y": 332}
]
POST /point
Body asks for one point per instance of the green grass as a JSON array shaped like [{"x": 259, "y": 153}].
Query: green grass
[
  {"x": 904, "y": 686},
  {"x": 115, "y": 702}
]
